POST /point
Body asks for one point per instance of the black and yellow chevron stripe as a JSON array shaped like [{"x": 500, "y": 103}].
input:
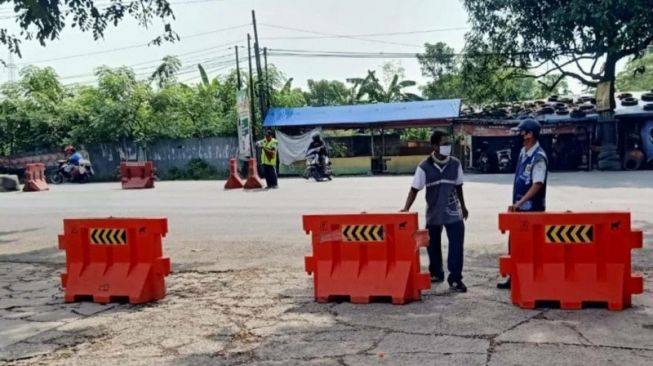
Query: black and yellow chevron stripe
[
  {"x": 108, "y": 236},
  {"x": 569, "y": 234},
  {"x": 363, "y": 233}
]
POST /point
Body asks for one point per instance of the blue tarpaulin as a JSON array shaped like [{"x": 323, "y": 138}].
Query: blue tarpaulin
[{"x": 405, "y": 114}]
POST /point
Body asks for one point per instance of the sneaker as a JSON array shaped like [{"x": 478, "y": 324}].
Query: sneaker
[
  {"x": 457, "y": 286},
  {"x": 504, "y": 286},
  {"x": 437, "y": 279}
]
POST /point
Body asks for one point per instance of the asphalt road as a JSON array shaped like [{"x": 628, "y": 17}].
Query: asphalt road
[{"x": 239, "y": 295}]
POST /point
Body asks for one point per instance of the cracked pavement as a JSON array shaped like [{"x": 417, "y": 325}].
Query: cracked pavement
[{"x": 238, "y": 294}]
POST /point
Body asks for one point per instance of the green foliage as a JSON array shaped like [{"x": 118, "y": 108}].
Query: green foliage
[
  {"x": 165, "y": 73},
  {"x": 638, "y": 74},
  {"x": 339, "y": 150},
  {"x": 326, "y": 93},
  {"x": 580, "y": 39},
  {"x": 45, "y": 20},
  {"x": 481, "y": 79},
  {"x": 287, "y": 96},
  {"x": 196, "y": 169},
  {"x": 370, "y": 89},
  {"x": 39, "y": 113},
  {"x": 419, "y": 134}
]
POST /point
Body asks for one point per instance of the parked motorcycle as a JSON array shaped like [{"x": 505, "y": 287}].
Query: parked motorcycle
[
  {"x": 483, "y": 163},
  {"x": 504, "y": 157},
  {"x": 316, "y": 168},
  {"x": 80, "y": 174}
]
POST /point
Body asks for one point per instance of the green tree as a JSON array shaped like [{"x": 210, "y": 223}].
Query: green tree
[
  {"x": 441, "y": 66},
  {"x": 165, "y": 73},
  {"x": 30, "y": 111},
  {"x": 475, "y": 80},
  {"x": 582, "y": 39},
  {"x": 638, "y": 74},
  {"x": 370, "y": 89},
  {"x": 119, "y": 108},
  {"x": 548, "y": 86},
  {"x": 45, "y": 20},
  {"x": 287, "y": 96},
  {"x": 326, "y": 93}
]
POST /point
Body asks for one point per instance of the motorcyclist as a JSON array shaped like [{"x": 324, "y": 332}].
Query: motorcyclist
[
  {"x": 320, "y": 148},
  {"x": 72, "y": 160}
]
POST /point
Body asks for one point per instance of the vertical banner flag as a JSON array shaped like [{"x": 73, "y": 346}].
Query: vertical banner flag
[{"x": 244, "y": 126}]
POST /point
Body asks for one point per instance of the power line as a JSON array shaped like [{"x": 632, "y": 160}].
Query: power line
[
  {"x": 208, "y": 66},
  {"x": 370, "y": 34},
  {"x": 135, "y": 46},
  {"x": 355, "y": 54},
  {"x": 341, "y": 36},
  {"x": 339, "y": 54}
]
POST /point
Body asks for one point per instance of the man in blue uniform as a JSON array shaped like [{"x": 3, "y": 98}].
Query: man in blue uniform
[
  {"x": 73, "y": 158},
  {"x": 442, "y": 176},
  {"x": 529, "y": 188}
]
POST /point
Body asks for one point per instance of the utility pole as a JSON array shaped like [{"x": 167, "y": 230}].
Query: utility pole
[
  {"x": 11, "y": 68},
  {"x": 267, "y": 78},
  {"x": 251, "y": 91},
  {"x": 240, "y": 83},
  {"x": 259, "y": 71}
]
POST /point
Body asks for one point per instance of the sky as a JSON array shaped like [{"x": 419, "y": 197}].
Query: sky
[{"x": 209, "y": 29}]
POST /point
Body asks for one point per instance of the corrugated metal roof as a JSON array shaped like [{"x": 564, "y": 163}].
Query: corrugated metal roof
[{"x": 381, "y": 114}]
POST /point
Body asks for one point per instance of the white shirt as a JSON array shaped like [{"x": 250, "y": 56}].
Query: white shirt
[
  {"x": 539, "y": 169},
  {"x": 419, "y": 179}
]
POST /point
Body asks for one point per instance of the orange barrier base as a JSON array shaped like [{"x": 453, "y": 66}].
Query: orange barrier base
[
  {"x": 234, "y": 181},
  {"x": 146, "y": 282},
  {"x": 35, "y": 178},
  {"x": 35, "y": 186},
  {"x": 137, "y": 175},
  {"x": 138, "y": 183},
  {"x": 253, "y": 179},
  {"x": 553, "y": 284}
]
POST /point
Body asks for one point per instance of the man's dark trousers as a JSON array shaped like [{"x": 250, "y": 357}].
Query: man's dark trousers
[{"x": 456, "y": 235}]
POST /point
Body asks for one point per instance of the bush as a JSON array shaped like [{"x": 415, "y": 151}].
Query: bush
[{"x": 196, "y": 169}]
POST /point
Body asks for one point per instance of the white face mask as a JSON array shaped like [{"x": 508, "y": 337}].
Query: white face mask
[{"x": 445, "y": 150}]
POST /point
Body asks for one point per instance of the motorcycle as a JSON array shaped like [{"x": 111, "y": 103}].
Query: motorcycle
[
  {"x": 483, "y": 163},
  {"x": 82, "y": 173},
  {"x": 505, "y": 160},
  {"x": 316, "y": 169}
]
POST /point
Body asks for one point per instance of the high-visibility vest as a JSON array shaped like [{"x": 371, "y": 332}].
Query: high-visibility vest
[{"x": 269, "y": 158}]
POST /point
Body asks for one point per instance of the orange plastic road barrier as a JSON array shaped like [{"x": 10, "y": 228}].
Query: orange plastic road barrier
[
  {"x": 139, "y": 174},
  {"x": 113, "y": 259},
  {"x": 253, "y": 180},
  {"x": 234, "y": 181},
  {"x": 366, "y": 257},
  {"x": 571, "y": 258},
  {"x": 35, "y": 178}
]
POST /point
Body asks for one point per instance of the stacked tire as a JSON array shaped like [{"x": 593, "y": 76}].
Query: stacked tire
[{"x": 608, "y": 158}]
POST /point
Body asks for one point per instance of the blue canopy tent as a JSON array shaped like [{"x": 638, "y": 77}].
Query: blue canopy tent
[
  {"x": 431, "y": 113},
  {"x": 380, "y": 115}
]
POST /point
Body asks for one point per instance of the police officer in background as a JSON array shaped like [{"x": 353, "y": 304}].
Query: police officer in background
[
  {"x": 442, "y": 176},
  {"x": 529, "y": 189}
]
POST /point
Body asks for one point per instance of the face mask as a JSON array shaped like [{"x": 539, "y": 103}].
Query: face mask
[{"x": 445, "y": 150}]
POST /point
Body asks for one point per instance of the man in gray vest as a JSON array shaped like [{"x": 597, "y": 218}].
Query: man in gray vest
[{"x": 442, "y": 176}]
